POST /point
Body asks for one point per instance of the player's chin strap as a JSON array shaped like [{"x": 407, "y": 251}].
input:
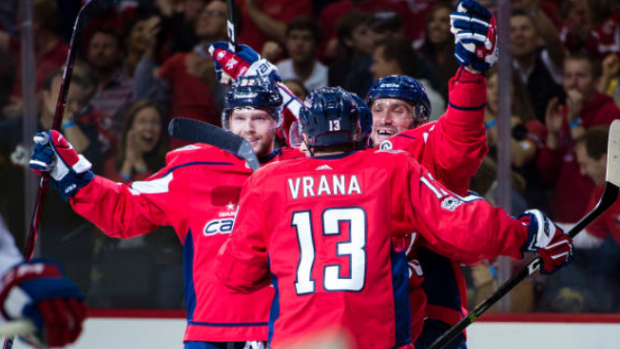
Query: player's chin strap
[{"x": 255, "y": 345}]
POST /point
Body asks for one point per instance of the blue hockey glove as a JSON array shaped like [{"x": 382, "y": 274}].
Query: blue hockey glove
[
  {"x": 68, "y": 170},
  {"x": 475, "y": 33}
]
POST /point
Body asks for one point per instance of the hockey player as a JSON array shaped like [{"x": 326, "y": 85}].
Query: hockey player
[
  {"x": 37, "y": 290},
  {"x": 197, "y": 194},
  {"x": 328, "y": 232},
  {"x": 451, "y": 148}
]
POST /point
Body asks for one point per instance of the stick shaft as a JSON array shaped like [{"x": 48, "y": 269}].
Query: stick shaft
[{"x": 610, "y": 194}]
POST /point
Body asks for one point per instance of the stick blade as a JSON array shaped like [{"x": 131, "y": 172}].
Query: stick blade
[
  {"x": 613, "y": 154},
  {"x": 196, "y": 131}
]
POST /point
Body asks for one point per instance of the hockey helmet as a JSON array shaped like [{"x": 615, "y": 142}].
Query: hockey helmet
[
  {"x": 253, "y": 92},
  {"x": 405, "y": 88},
  {"x": 330, "y": 117}
]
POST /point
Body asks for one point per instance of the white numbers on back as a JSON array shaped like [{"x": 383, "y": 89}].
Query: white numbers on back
[
  {"x": 334, "y": 125},
  {"x": 354, "y": 249}
]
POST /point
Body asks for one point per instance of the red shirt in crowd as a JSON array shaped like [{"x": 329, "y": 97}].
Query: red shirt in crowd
[
  {"x": 46, "y": 63},
  {"x": 559, "y": 168},
  {"x": 191, "y": 97},
  {"x": 603, "y": 40},
  {"x": 280, "y": 10}
]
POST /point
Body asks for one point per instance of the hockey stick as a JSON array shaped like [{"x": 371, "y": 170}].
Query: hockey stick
[
  {"x": 88, "y": 12},
  {"x": 200, "y": 132},
  {"x": 231, "y": 24},
  {"x": 610, "y": 194}
]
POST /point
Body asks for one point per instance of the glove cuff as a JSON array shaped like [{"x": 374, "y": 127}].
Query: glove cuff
[{"x": 72, "y": 182}]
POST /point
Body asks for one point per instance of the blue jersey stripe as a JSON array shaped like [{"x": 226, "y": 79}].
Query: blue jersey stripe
[
  {"x": 227, "y": 324},
  {"x": 274, "y": 312},
  {"x": 467, "y": 108},
  {"x": 440, "y": 284},
  {"x": 198, "y": 163},
  {"x": 400, "y": 287},
  {"x": 188, "y": 274}
]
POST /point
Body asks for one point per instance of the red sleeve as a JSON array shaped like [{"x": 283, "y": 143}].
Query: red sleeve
[
  {"x": 122, "y": 211},
  {"x": 457, "y": 144},
  {"x": 242, "y": 263},
  {"x": 467, "y": 229}
]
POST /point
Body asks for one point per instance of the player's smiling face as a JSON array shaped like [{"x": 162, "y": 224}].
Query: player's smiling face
[
  {"x": 257, "y": 127},
  {"x": 390, "y": 116}
]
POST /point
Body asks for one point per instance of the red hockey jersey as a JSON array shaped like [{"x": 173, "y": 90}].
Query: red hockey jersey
[
  {"x": 328, "y": 232},
  {"x": 452, "y": 149},
  {"x": 197, "y": 194}
]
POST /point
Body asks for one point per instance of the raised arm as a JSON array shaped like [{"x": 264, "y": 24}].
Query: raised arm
[
  {"x": 441, "y": 217},
  {"x": 119, "y": 210}
]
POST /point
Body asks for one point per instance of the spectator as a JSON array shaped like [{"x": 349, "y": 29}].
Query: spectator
[
  {"x": 438, "y": 46},
  {"x": 75, "y": 252},
  {"x": 138, "y": 35},
  {"x": 333, "y": 12},
  {"x": 592, "y": 25},
  {"x": 189, "y": 77},
  {"x": 591, "y": 151},
  {"x": 397, "y": 56},
  {"x": 610, "y": 78},
  {"x": 523, "y": 147},
  {"x": 49, "y": 49},
  {"x": 113, "y": 90},
  {"x": 302, "y": 39},
  {"x": 143, "y": 151},
  {"x": 591, "y": 284},
  {"x": 584, "y": 108},
  {"x": 267, "y": 19},
  {"x": 353, "y": 60},
  {"x": 539, "y": 67},
  {"x": 388, "y": 26},
  {"x": 143, "y": 145}
]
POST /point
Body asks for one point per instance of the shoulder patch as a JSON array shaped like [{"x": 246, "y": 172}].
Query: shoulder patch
[{"x": 386, "y": 145}]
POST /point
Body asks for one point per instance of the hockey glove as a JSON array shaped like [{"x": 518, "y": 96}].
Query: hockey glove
[
  {"x": 68, "y": 170},
  {"x": 37, "y": 290},
  {"x": 549, "y": 241},
  {"x": 245, "y": 61},
  {"x": 475, "y": 33}
]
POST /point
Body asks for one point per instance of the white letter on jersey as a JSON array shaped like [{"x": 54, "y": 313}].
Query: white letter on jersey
[
  {"x": 308, "y": 184},
  {"x": 324, "y": 186},
  {"x": 338, "y": 184},
  {"x": 354, "y": 186},
  {"x": 294, "y": 187}
]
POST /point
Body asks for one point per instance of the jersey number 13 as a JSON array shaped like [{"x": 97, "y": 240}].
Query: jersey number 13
[{"x": 354, "y": 249}]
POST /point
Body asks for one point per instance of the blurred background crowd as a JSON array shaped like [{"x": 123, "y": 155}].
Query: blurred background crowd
[{"x": 145, "y": 62}]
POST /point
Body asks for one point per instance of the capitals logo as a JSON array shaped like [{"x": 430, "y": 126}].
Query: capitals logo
[{"x": 219, "y": 226}]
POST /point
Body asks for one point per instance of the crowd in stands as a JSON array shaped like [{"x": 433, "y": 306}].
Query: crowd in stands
[{"x": 145, "y": 62}]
